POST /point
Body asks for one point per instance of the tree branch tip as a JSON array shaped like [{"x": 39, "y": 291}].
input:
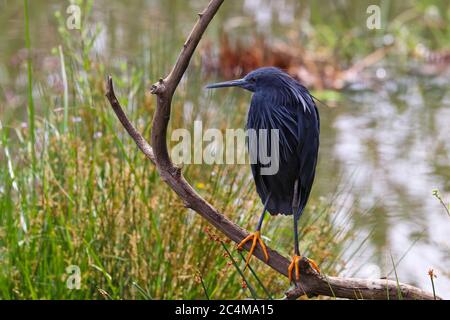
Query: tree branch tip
[
  {"x": 110, "y": 88},
  {"x": 158, "y": 87},
  {"x": 176, "y": 172},
  {"x": 187, "y": 205}
]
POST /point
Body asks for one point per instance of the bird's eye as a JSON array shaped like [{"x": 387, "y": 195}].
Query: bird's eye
[{"x": 253, "y": 80}]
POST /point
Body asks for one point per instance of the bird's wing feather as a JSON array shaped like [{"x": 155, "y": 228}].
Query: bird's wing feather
[
  {"x": 309, "y": 125},
  {"x": 298, "y": 144}
]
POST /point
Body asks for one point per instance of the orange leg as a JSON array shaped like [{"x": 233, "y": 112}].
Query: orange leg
[
  {"x": 295, "y": 265},
  {"x": 313, "y": 265},
  {"x": 256, "y": 237},
  {"x": 297, "y": 257}
]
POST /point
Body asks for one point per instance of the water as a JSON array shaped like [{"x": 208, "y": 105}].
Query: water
[
  {"x": 387, "y": 139},
  {"x": 395, "y": 144}
]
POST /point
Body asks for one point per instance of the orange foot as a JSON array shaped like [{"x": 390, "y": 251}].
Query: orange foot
[
  {"x": 295, "y": 264},
  {"x": 256, "y": 237}
]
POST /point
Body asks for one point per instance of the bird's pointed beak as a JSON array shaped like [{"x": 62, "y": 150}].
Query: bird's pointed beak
[{"x": 232, "y": 83}]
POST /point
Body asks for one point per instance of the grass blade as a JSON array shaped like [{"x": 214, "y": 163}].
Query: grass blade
[
  {"x": 257, "y": 278},
  {"x": 399, "y": 292},
  {"x": 252, "y": 290},
  {"x": 66, "y": 89}
]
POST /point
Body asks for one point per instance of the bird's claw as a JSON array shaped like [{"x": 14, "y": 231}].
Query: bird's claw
[
  {"x": 256, "y": 237},
  {"x": 295, "y": 265},
  {"x": 313, "y": 265}
]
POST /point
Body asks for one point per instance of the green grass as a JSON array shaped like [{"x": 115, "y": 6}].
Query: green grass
[{"x": 31, "y": 111}]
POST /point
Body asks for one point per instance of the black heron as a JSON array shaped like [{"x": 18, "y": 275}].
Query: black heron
[{"x": 280, "y": 102}]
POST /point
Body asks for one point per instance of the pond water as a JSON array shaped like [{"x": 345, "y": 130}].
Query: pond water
[{"x": 387, "y": 140}]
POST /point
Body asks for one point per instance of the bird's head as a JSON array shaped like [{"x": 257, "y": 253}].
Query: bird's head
[{"x": 259, "y": 79}]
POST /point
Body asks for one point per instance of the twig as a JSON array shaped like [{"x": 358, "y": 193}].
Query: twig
[
  {"x": 311, "y": 283},
  {"x": 432, "y": 276},
  {"x": 438, "y": 196}
]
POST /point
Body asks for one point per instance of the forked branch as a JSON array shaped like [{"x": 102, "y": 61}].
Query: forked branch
[{"x": 311, "y": 283}]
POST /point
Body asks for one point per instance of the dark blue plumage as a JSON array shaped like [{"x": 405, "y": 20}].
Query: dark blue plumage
[{"x": 280, "y": 102}]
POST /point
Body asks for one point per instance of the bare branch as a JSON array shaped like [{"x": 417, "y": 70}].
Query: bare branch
[
  {"x": 311, "y": 283},
  {"x": 137, "y": 137}
]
